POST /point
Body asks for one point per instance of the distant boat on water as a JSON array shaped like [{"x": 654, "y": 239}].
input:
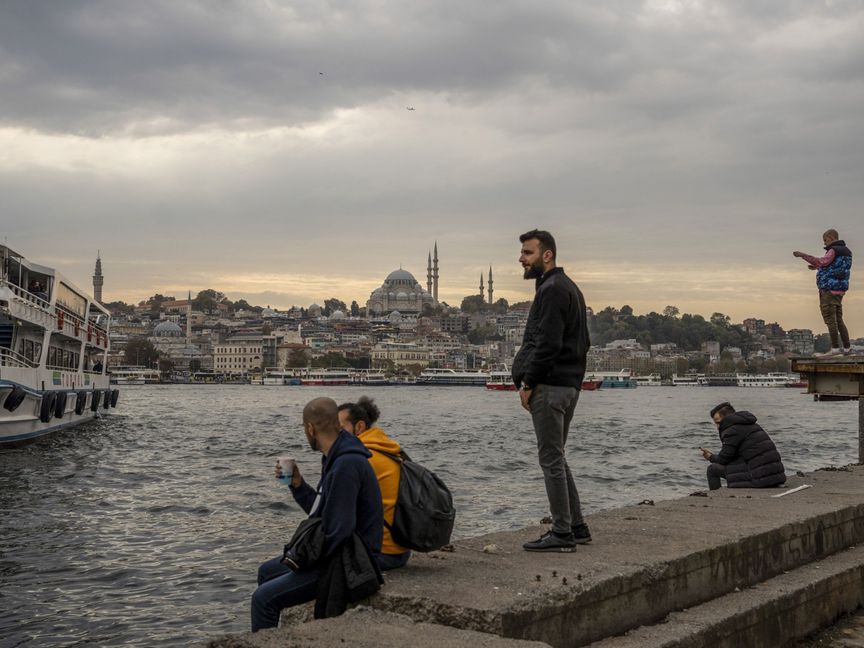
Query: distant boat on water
[
  {"x": 615, "y": 379},
  {"x": 451, "y": 377}
]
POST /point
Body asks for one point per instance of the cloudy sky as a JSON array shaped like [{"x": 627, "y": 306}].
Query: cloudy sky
[{"x": 679, "y": 150}]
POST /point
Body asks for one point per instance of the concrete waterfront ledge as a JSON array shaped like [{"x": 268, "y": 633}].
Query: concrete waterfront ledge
[
  {"x": 647, "y": 562},
  {"x": 366, "y": 628}
]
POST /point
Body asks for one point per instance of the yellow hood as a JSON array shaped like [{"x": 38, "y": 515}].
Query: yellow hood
[{"x": 375, "y": 439}]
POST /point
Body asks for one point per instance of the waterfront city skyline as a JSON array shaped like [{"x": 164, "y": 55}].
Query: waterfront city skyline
[{"x": 679, "y": 151}]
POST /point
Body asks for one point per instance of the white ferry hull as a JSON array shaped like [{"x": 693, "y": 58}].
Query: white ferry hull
[{"x": 24, "y": 425}]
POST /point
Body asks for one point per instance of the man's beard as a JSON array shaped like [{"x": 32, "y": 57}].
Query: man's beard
[{"x": 533, "y": 272}]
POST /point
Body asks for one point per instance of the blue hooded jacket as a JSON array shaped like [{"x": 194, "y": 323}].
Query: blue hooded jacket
[
  {"x": 350, "y": 497},
  {"x": 836, "y": 275}
]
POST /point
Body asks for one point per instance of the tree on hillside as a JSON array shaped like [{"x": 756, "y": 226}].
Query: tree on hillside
[
  {"x": 501, "y": 306},
  {"x": 331, "y": 359},
  {"x": 207, "y": 300},
  {"x": 118, "y": 308},
  {"x": 331, "y": 305},
  {"x": 671, "y": 311},
  {"x": 355, "y": 309},
  {"x": 242, "y": 304},
  {"x": 474, "y": 304},
  {"x": 140, "y": 352}
]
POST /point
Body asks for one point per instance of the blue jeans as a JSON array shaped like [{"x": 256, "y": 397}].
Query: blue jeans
[
  {"x": 388, "y": 562},
  {"x": 278, "y": 588}
]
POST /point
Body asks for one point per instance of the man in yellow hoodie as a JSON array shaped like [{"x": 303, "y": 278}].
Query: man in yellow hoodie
[{"x": 359, "y": 419}]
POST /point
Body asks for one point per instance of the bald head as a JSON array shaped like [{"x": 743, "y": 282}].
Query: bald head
[{"x": 323, "y": 415}]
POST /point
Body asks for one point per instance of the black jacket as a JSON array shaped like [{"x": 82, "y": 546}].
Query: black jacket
[
  {"x": 555, "y": 344},
  {"x": 749, "y": 454},
  {"x": 348, "y": 574}
]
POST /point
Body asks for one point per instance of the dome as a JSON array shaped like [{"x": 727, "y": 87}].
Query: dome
[
  {"x": 401, "y": 275},
  {"x": 168, "y": 329},
  {"x": 401, "y": 295},
  {"x": 337, "y": 315},
  {"x": 395, "y": 316}
]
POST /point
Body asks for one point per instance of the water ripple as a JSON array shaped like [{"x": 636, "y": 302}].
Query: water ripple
[{"x": 146, "y": 527}]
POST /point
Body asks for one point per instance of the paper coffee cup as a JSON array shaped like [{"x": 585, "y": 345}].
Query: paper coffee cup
[{"x": 287, "y": 463}]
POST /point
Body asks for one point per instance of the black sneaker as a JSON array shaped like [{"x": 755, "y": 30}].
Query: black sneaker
[
  {"x": 549, "y": 541},
  {"x": 581, "y": 533}
]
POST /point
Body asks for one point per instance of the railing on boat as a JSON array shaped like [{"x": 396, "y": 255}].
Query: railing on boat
[
  {"x": 9, "y": 358},
  {"x": 80, "y": 325},
  {"x": 19, "y": 292}
]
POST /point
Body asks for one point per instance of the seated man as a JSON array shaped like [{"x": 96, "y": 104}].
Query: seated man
[
  {"x": 347, "y": 500},
  {"x": 359, "y": 419},
  {"x": 748, "y": 458}
]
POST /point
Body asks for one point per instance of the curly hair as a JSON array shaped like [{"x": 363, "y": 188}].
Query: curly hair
[{"x": 364, "y": 410}]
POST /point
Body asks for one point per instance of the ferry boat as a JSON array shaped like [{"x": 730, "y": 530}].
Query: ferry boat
[
  {"x": 687, "y": 380},
  {"x": 280, "y": 377},
  {"x": 371, "y": 379},
  {"x": 773, "y": 379},
  {"x": 129, "y": 375},
  {"x": 452, "y": 377},
  {"x": 651, "y": 380},
  {"x": 616, "y": 379},
  {"x": 591, "y": 383},
  {"x": 500, "y": 381},
  {"x": 718, "y": 380},
  {"x": 326, "y": 377},
  {"x": 53, "y": 352}
]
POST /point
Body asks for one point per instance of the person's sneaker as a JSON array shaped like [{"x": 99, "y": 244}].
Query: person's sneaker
[
  {"x": 581, "y": 533},
  {"x": 847, "y": 351},
  {"x": 828, "y": 354},
  {"x": 550, "y": 541}
]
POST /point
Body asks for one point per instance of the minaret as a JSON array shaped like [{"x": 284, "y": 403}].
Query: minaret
[
  {"x": 490, "y": 284},
  {"x": 429, "y": 274},
  {"x": 98, "y": 279},
  {"x": 482, "y": 288},
  {"x": 189, "y": 319},
  {"x": 435, "y": 273}
]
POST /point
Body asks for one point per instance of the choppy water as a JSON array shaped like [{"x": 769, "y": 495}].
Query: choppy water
[{"x": 146, "y": 528}]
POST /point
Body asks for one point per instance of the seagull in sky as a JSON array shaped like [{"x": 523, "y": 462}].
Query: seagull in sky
[{"x": 409, "y": 107}]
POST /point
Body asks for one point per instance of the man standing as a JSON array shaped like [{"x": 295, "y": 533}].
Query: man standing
[
  {"x": 347, "y": 500},
  {"x": 548, "y": 370},
  {"x": 748, "y": 458},
  {"x": 832, "y": 279}
]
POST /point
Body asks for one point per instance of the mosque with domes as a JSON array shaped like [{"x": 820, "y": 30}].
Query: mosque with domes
[{"x": 403, "y": 293}]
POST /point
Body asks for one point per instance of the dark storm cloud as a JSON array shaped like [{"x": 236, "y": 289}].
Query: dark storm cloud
[{"x": 98, "y": 67}]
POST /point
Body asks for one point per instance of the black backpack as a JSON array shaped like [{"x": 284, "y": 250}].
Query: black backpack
[{"x": 424, "y": 516}]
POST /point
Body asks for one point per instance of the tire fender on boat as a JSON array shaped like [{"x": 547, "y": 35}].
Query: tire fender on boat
[
  {"x": 46, "y": 412},
  {"x": 81, "y": 403},
  {"x": 60, "y": 405},
  {"x": 106, "y": 399},
  {"x": 94, "y": 404},
  {"x": 14, "y": 398},
  {"x": 115, "y": 394}
]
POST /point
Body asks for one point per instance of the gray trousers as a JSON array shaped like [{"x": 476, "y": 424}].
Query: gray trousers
[{"x": 551, "y": 411}]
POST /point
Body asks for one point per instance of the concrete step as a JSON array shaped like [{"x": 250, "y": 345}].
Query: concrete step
[
  {"x": 775, "y": 613},
  {"x": 645, "y": 563}
]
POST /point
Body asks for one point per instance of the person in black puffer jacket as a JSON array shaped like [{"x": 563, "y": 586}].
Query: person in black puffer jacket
[{"x": 749, "y": 458}]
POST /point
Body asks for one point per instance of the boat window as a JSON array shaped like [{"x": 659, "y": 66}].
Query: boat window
[
  {"x": 71, "y": 299},
  {"x": 52, "y": 356},
  {"x": 28, "y": 349}
]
